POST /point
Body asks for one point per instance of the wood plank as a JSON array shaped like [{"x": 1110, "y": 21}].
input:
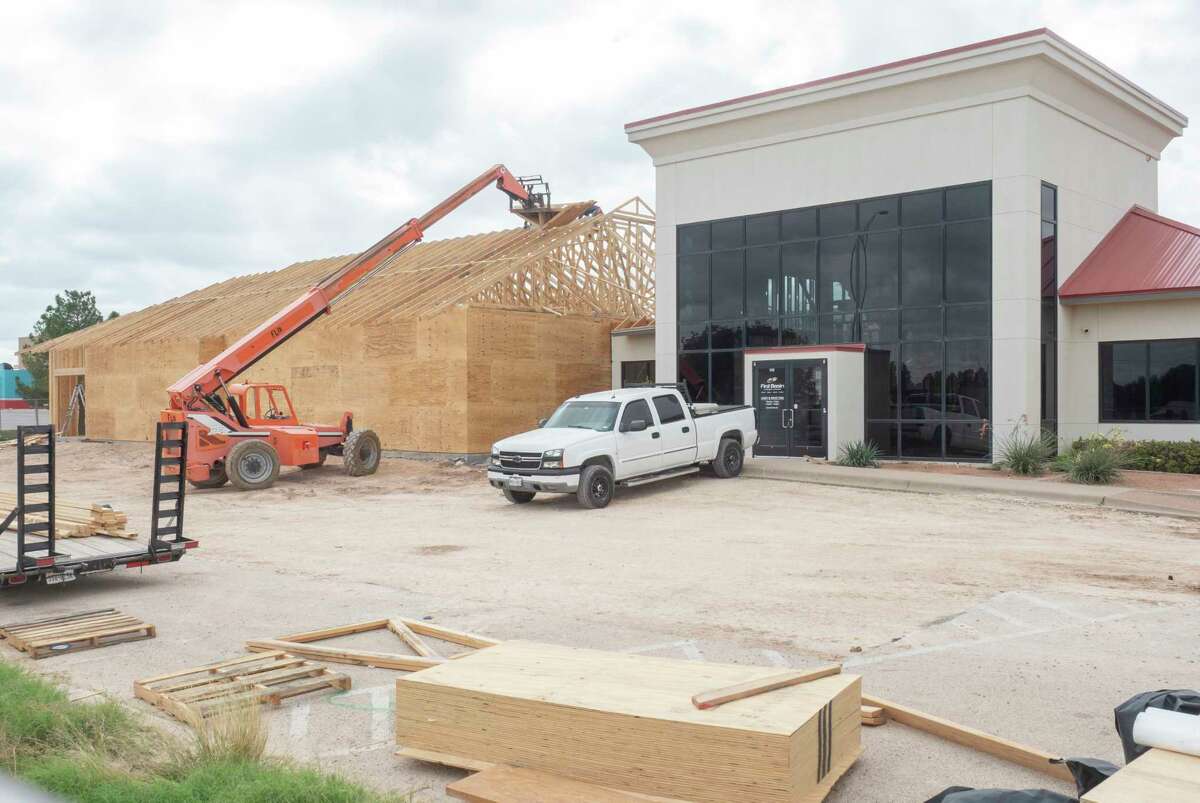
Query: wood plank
[
  {"x": 334, "y": 632},
  {"x": 975, "y": 739},
  {"x": 382, "y": 660},
  {"x": 521, "y": 785},
  {"x": 873, "y": 715},
  {"x": 1162, "y": 776},
  {"x": 740, "y": 691},
  {"x": 415, "y": 642},
  {"x": 446, "y": 634}
]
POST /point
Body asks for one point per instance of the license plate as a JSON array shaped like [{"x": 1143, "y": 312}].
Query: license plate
[
  {"x": 52, "y": 579},
  {"x": 515, "y": 482}
]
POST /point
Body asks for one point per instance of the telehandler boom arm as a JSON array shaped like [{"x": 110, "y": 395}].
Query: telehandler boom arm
[{"x": 269, "y": 335}]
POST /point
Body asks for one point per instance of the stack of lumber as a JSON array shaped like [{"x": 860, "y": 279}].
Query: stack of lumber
[
  {"x": 77, "y": 519},
  {"x": 627, "y": 722},
  {"x": 32, "y": 440}
]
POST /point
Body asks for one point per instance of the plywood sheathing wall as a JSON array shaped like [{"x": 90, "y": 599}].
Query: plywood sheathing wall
[{"x": 453, "y": 345}]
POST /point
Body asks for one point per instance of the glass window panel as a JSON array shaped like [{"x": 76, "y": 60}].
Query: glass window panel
[
  {"x": 762, "y": 229},
  {"x": 837, "y": 328},
  {"x": 798, "y": 290},
  {"x": 801, "y": 331},
  {"x": 921, "y": 381},
  {"x": 693, "y": 336},
  {"x": 968, "y": 368},
  {"x": 728, "y": 234},
  {"x": 969, "y": 320},
  {"x": 693, "y": 372},
  {"x": 727, "y": 378},
  {"x": 837, "y": 219},
  {"x": 886, "y": 438},
  {"x": 878, "y": 213},
  {"x": 881, "y": 270},
  {"x": 1122, "y": 381},
  {"x": 637, "y": 372},
  {"x": 1049, "y": 260},
  {"x": 693, "y": 238},
  {"x": 921, "y": 324},
  {"x": 969, "y": 261},
  {"x": 881, "y": 381},
  {"x": 921, "y": 266},
  {"x": 726, "y": 334},
  {"x": 693, "y": 287},
  {"x": 836, "y": 295},
  {"x": 669, "y": 409},
  {"x": 1049, "y": 318},
  {"x": 727, "y": 284},
  {"x": 763, "y": 332},
  {"x": 798, "y": 224},
  {"x": 881, "y": 326},
  {"x": 921, "y": 440},
  {"x": 1049, "y": 203},
  {"x": 968, "y": 202},
  {"x": 1173, "y": 381},
  {"x": 762, "y": 281},
  {"x": 921, "y": 208},
  {"x": 636, "y": 410}
]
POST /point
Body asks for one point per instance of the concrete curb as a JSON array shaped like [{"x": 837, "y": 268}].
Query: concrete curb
[{"x": 882, "y": 479}]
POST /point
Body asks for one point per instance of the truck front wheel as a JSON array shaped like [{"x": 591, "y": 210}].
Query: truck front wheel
[
  {"x": 595, "y": 487},
  {"x": 518, "y": 497},
  {"x": 728, "y": 462}
]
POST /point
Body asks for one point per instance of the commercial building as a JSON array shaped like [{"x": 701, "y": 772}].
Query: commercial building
[
  {"x": 929, "y": 254},
  {"x": 10, "y": 395}
]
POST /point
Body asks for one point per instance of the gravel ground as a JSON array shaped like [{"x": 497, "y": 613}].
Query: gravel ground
[{"x": 1027, "y": 620}]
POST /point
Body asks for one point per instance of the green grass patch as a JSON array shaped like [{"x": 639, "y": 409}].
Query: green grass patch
[
  {"x": 101, "y": 752},
  {"x": 7, "y": 435}
]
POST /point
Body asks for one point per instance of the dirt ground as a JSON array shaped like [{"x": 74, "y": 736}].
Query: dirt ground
[{"x": 1028, "y": 620}]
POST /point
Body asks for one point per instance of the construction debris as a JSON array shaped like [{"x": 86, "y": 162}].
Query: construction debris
[
  {"x": 409, "y": 631},
  {"x": 712, "y": 699},
  {"x": 77, "y": 519},
  {"x": 625, "y": 722},
  {"x": 873, "y": 716},
  {"x": 75, "y": 632},
  {"x": 194, "y": 695}
]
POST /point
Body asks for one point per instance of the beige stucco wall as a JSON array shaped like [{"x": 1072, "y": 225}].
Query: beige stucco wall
[{"x": 1084, "y": 327}]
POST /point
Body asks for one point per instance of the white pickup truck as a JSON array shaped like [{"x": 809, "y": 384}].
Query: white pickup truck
[{"x": 596, "y": 442}]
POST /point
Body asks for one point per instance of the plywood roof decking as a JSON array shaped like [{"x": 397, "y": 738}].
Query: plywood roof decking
[{"x": 600, "y": 264}]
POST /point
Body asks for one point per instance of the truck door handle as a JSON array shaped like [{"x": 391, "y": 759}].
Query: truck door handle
[
  {"x": 653, "y": 434},
  {"x": 687, "y": 429}
]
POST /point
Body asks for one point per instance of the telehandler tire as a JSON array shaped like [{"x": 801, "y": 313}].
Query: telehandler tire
[
  {"x": 252, "y": 465},
  {"x": 216, "y": 478},
  {"x": 361, "y": 453}
]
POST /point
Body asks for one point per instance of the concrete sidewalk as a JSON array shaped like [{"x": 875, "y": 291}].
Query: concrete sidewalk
[{"x": 1134, "y": 500}]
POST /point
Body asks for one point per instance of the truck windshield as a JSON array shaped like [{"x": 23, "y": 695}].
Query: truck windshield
[{"x": 599, "y": 416}]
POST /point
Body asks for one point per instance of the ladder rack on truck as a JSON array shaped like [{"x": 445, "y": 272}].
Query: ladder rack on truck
[{"x": 29, "y": 549}]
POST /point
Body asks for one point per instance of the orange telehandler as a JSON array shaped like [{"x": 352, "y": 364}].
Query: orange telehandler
[{"x": 243, "y": 433}]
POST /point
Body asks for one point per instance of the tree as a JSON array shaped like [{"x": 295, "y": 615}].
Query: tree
[{"x": 71, "y": 311}]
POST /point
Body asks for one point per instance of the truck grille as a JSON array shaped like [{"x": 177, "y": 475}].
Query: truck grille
[{"x": 526, "y": 460}]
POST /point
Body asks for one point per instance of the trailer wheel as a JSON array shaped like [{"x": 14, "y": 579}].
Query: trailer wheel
[
  {"x": 729, "y": 459},
  {"x": 252, "y": 465},
  {"x": 361, "y": 452},
  {"x": 216, "y": 478},
  {"x": 595, "y": 487},
  {"x": 518, "y": 497}
]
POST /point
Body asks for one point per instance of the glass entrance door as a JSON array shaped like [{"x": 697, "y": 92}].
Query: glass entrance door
[{"x": 791, "y": 399}]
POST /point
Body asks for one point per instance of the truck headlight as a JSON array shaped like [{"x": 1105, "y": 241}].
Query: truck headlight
[
  {"x": 552, "y": 458},
  {"x": 495, "y": 456}
]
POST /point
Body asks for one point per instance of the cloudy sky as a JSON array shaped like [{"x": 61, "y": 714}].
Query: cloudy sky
[{"x": 147, "y": 149}]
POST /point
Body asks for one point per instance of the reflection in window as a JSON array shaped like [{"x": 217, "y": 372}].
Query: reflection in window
[
  {"x": 693, "y": 372},
  {"x": 727, "y": 377},
  {"x": 637, "y": 372},
  {"x": 1150, "y": 381},
  {"x": 727, "y": 284}
]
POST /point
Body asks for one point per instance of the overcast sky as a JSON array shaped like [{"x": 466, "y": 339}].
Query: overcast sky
[{"x": 147, "y": 149}]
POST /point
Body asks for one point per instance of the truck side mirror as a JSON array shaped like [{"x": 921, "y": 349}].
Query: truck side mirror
[
  {"x": 637, "y": 425},
  {"x": 542, "y": 422}
]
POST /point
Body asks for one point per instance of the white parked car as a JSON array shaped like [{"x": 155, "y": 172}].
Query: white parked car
[{"x": 596, "y": 442}]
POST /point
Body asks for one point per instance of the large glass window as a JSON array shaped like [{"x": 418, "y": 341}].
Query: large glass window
[
  {"x": 1150, "y": 381},
  {"x": 1049, "y": 309},
  {"x": 910, "y": 276}
]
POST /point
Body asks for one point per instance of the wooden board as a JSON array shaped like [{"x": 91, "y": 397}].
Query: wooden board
[
  {"x": 193, "y": 695},
  {"x": 500, "y": 784},
  {"x": 74, "y": 632},
  {"x": 76, "y": 519},
  {"x": 740, "y": 691},
  {"x": 1161, "y": 776},
  {"x": 975, "y": 739},
  {"x": 627, "y": 722}
]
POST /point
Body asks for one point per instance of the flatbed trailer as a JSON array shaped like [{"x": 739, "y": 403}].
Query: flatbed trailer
[{"x": 29, "y": 550}]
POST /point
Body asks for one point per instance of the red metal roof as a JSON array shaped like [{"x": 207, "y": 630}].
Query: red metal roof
[{"x": 1144, "y": 254}]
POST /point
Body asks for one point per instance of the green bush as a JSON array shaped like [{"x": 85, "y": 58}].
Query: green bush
[
  {"x": 859, "y": 454},
  {"x": 1026, "y": 452},
  {"x": 1176, "y": 457},
  {"x": 1095, "y": 465}
]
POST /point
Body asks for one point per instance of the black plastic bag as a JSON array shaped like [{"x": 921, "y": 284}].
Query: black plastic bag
[
  {"x": 962, "y": 794},
  {"x": 1184, "y": 700}
]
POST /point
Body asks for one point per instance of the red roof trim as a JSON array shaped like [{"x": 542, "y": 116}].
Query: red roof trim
[
  {"x": 853, "y": 347},
  {"x": 852, "y": 74}
]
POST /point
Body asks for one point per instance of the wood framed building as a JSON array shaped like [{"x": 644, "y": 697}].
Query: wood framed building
[{"x": 452, "y": 345}]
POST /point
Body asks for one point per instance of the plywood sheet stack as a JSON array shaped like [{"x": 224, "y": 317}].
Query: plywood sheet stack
[
  {"x": 77, "y": 519},
  {"x": 627, "y": 722}
]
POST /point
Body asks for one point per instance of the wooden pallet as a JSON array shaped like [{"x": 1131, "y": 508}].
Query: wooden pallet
[
  {"x": 193, "y": 695},
  {"x": 74, "y": 632}
]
